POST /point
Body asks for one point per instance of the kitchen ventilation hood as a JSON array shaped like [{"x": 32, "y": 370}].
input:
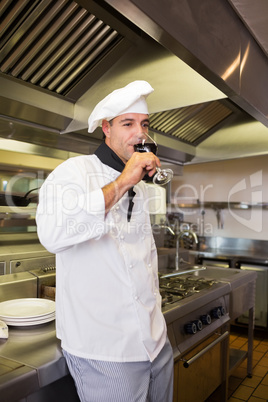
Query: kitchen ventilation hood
[{"x": 59, "y": 58}]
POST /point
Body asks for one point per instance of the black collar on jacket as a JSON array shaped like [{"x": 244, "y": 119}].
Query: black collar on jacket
[{"x": 109, "y": 158}]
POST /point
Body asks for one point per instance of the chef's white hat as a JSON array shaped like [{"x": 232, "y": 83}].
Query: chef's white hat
[{"x": 129, "y": 99}]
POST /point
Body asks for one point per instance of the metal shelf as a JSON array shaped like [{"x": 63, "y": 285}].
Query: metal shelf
[
  {"x": 11, "y": 217},
  {"x": 236, "y": 357},
  {"x": 218, "y": 205},
  {"x": 9, "y": 223}
]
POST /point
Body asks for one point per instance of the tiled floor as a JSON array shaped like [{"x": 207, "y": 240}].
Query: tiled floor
[{"x": 242, "y": 388}]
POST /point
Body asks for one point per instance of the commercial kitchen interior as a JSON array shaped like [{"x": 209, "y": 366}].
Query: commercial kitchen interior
[{"x": 208, "y": 63}]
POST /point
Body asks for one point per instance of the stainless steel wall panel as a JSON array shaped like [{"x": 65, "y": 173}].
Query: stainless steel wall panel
[{"x": 16, "y": 286}]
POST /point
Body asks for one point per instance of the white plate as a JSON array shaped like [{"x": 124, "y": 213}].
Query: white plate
[
  {"x": 23, "y": 317},
  {"x": 37, "y": 318},
  {"x": 25, "y": 309},
  {"x": 27, "y": 323}
]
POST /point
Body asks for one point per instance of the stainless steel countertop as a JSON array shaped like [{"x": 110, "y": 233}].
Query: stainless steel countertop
[
  {"x": 256, "y": 256},
  {"x": 30, "y": 359}
]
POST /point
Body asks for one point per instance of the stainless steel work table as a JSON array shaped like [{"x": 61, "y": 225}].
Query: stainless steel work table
[
  {"x": 256, "y": 256},
  {"x": 30, "y": 360}
]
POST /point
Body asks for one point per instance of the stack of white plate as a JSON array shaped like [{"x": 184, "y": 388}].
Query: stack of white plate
[{"x": 28, "y": 311}]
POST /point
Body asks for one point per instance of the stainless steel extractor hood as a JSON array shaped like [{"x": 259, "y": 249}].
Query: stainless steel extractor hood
[{"x": 59, "y": 58}]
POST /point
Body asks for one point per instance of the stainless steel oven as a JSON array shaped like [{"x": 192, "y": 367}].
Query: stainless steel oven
[
  {"x": 199, "y": 333},
  {"x": 198, "y": 313},
  {"x": 205, "y": 366}
]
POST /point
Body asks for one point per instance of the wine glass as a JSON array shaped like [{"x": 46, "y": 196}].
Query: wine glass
[{"x": 162, "y": 176}]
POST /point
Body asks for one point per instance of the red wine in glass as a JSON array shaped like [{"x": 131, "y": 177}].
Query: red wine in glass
[
  {"x": 162, "y": 176},
  {"x": 146, "y": 147}
]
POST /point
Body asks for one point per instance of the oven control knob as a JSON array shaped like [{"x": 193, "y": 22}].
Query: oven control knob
[
  {"x": 190, "y": 328},
  {"x": 206, "y": 319},
  {"x": 222, "y": 310},
  {"x": 217, "y": 312},
  {"x": 198, "y": 324}
]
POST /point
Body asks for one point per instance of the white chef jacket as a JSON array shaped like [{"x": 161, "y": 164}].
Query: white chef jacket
[{"x": 108, "y": 305}]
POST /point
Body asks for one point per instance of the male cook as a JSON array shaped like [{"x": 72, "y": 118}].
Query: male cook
[{"x": 92, "y": 214}]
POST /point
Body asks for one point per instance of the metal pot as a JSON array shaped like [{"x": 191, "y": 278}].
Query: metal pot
[{"x": 13, "y": 200}]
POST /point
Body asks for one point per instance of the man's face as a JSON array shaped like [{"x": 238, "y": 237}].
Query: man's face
[{"x": 124, "y": 132}]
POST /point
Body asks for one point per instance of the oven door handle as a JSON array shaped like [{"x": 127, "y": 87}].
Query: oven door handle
[{"x": 187, "y": 363}]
